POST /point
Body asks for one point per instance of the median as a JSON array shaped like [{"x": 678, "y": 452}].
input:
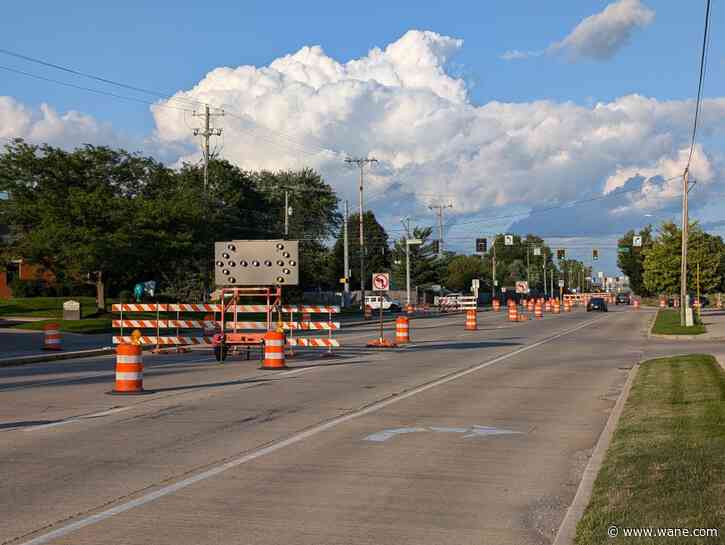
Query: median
[
  {"x": 664, "y": 472},
  {"x": 668, "y": 323}
]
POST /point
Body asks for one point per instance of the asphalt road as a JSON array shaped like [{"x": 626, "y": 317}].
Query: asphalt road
[{"x": 461, "y": 437}]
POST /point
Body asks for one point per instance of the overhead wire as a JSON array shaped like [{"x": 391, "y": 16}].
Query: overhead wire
[{"x": 700, "y": 83}]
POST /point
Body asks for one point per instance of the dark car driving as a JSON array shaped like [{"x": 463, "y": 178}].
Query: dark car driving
[
  {"x": 597, "y": 303},
  {"x": 623, "y": 299}
]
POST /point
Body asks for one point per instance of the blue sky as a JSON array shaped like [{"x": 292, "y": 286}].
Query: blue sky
[{"x": 173, "y": 46}]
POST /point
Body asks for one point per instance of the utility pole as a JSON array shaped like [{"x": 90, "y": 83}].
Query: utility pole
[
  {"x": 346, "y": 254},
  {"x": 528, "y": 265},
  {"x": 439, "y": 213},
  {"x": 286, "y": 213},
  {"x": 683, "y": 270},
  {"x": 361, "y": 163},
  {"x": 544, "y": 267},
  {"x": 493, "y": 272},
  {"x": 206, "y": 133}
]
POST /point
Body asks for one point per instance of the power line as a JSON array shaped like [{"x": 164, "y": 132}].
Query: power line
[{"x": 701, "y": 80}]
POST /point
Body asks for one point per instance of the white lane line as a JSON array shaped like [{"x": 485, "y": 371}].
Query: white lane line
[
  {"x": 78, "y": 419},
  {"x": 301, "y": 436}
]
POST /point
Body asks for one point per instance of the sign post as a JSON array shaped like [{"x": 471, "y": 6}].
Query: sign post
[
  {"x": 381, "y": 284},
  {"x": 561, "y": 289}
]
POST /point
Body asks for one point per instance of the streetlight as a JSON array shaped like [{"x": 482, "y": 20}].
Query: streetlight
[{"x": 408, "y": 243}]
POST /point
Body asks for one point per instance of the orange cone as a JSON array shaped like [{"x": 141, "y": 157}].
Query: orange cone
[
  {"x": 52, "y": 339},
  {"x": 129, "y": 369},
  {"x": 471, "y": 320},
  {"x": 274, "y": 350}
]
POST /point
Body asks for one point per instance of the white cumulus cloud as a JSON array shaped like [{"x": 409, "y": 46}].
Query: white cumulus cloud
[{"x": 599, "y": 36}]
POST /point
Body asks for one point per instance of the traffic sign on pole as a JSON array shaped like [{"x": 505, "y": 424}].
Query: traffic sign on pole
[
  {"x": 381, "y": 282},
  {"x": 637, "y": 241},
  {"x": 508, "y": 240}
]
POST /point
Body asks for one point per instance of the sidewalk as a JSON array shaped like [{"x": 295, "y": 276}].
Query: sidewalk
[{"x": 714, "y": 321}]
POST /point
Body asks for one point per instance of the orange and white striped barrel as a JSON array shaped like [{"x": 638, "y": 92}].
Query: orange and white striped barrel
[
  {"x": 274, "y": 350},
  {"x": 513, "y": 314},
  {"x": 530, "y": 305},
  {"x": 471, "y": 320},
  {"x": 547, "y": 305},
  {"x": 129, "y": 369},
  {"x": 402, "y": 330},
  {"x": 567, "y": 305},
  {"x": 557, "y": 306},
  {"x": 496, "y": 305},
  {"x": 51, "y": 337},
  {"x": 636, "y": 304},
  {"x": 663, "y": 302},
  {"x": 538, "y": 310}
]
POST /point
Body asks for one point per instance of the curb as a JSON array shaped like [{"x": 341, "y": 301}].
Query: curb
[
  {"x": 40, "y": 358},
  {"x": 567, "y": 530}
]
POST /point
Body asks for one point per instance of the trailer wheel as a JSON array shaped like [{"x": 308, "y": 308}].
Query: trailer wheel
[{"x": 220, "y": 352}]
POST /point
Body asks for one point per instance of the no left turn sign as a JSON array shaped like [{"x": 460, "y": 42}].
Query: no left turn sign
[{"x": 381, "y": 281}]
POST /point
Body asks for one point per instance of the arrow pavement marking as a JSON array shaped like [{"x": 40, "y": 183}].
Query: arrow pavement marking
[{"x": 470, "y": 431}]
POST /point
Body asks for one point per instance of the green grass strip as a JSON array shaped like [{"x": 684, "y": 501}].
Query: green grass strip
[
  {"x": 668, "y": 323},
  {"x": 87, "y": 325},
  {"x": 665, "y": 467}
]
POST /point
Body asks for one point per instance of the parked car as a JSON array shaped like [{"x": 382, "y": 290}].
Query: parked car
[
  {"x": 374, "y": 302},
  {"x": 623, "y": 299},
  {"x": 597, "y": 303}
]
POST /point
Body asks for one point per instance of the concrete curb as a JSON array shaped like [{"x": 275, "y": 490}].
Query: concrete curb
[
  {"x": 40, "y": 358},
  {"x": 567, "y": 530}
]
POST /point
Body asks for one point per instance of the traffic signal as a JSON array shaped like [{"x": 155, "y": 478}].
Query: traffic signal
[
  {"x": 436, "y": 246},
  {"x": 560, "y": 253},
  {"x": 595, "y": 254},
  {"x": 481, "y": 245}
]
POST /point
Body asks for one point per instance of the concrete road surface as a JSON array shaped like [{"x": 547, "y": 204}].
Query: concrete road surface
[{"x": 461, "y": 437}]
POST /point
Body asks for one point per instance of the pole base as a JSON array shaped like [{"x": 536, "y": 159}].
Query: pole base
[{"x": 382, "y": 343}]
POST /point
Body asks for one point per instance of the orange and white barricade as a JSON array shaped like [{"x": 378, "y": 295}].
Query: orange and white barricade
[
  {"x": 402, "y": 330},
  {"x": 538, "y": 310},
  {"x": 513, "y": 311},
  {"x": 129, "y": 369},
  {"x": 547, "y": 305},
  {"x": 557, "y": 306},
  {"x": 51, "y": 336}
]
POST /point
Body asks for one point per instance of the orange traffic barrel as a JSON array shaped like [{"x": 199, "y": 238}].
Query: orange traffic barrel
[
  {"x": 513, "y": 315},
  {"x": 557, "y": 306},
  {"x": 274, "y": 350},
  {"x": 51, "y": 338},
  {"x": 538, "y": 310},
  {"x": 636, "y": 304},
  {"x": 496, "y": 305},
  {"x": 547, "y": 305},
  {"x": 368, "y": 312},
  {"x": 663, "y": 302},
  {"x": 471, "y": 320},
  {"x": 402, "y": 330},
  {"x": 129, "y": 369},
  {"x": 567, "y": 305}
]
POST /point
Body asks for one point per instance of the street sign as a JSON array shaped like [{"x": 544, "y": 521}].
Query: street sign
[
  {"x": 637, "y": 241},
  {"x": 623, "y": 249},
  {"x": 561, "y": 283},
  {"x": 522, "y": 286},
  {"x": 475, "y": 283},
  {"x": 537, "y": 250},
  {"x": 414, "y": 241},
  {"x": 344, "y": 280},
  {"x": 595, "y": 254},
  {"x": 495, "y": 282},
  {"x": 381, "y": 282},
  {"x": 508, "y": 240},
  {"x": 560, "y": 253}
]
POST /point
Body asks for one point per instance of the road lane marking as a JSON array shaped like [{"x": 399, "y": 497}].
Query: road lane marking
[
  {"x": 78, "y": 419},
  {"x": 296, "y": 438},
  {"x": 470, "y": 431}
]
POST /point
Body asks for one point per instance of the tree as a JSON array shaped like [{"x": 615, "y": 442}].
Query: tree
[
  {"x": 663, "y": 260},
  {"x": 422, "y": 260},
  {"x": 462, "y": 269},
  {"x": 517, "y": 262},
  {"x": 631, "y": 258},
  {"x": 377, "y": 254}
]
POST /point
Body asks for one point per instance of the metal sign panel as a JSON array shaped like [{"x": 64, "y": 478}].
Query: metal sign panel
[
  {"x": 256, "y": 263},
  {"x": 561, "y": 283},
  {"x": 522, "y": 286},
  {"x": 637, "y": 241},
  {"x": 537, "y": 250},
  {"x": 381, "y": 281},
  {"x": 508, "y": 240}
]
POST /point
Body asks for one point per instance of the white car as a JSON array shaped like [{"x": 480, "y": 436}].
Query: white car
[{"x": 374, "y": 302}]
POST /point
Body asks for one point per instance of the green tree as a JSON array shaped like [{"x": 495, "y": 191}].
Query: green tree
[
  {"x": 630, "y": 258},
  {"x": 423, "y": 270},
  {"x": 663, "y": 260},
  {"x": 462, "y": 269},
  {"x": 377, "y": 253}
]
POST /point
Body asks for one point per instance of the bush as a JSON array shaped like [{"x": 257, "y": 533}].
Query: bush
[{"x": 28, "y": 288}]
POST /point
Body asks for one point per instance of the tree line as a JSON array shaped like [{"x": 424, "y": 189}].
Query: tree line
[
  {"x": 654, "y": 268},
  {"x": 98, "y": 210}
]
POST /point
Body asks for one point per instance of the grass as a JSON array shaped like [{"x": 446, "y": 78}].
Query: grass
[
  {"x": 665, "y": 467},
  {"x": 668, "y": 323},
  {"x": 86, "y": 325},
  {"x": 43, "y": 307}
]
